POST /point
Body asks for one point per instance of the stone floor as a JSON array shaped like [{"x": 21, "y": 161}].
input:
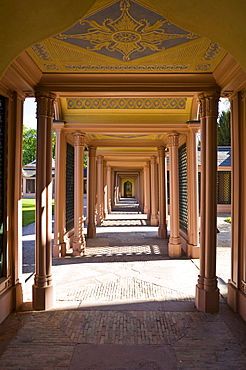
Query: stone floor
[{"x": 125, "y": 305}]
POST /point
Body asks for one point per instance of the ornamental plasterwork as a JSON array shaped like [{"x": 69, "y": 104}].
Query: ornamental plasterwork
[
  {"x": 203, "y": 67},
  {"x": 212, "y": 51},
  {"x": 127, "y": 68},
  {"x": 51, "y": 67},
  {"x": 41, "y": 51},
  {"x": 126, "y": 103},
  {"x": 127, "y": 35}
]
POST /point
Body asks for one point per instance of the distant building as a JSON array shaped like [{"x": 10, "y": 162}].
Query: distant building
[{"x": 29, "y": 179}]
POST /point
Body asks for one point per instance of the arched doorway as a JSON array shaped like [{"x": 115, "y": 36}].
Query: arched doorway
[{"x": 127, "y": 189}]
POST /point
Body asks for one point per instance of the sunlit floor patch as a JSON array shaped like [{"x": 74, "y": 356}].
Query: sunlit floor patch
[{"x": 124, "y": 289}]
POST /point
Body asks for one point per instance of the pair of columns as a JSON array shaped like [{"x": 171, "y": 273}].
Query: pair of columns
[
  {"x": 153, "y": 202},
  {"x": 206, "y": 291}
]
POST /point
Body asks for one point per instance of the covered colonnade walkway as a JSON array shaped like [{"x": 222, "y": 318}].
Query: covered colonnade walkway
[{"x": 130, "y": 83}]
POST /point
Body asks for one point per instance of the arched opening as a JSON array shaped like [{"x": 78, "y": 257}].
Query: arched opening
[{"x": 127, "y": 189}]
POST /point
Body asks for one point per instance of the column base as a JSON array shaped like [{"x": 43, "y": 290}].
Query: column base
[
  {"x": 78, "y": 249},
  {"x": 99, "y": 221},
  {"x": 174, "y": 247},
  {"x": 207, "y": 301},
  {"x": 236, "y": 300},
  {"x": 162, "y": 232},
  {"x": 43, "y": 298},
  {"x": 91, "y": 231},
  {"x": 59, "y": 250},
  {"x": 193, "y": 251},
  {"x": 153, "y": 220}
]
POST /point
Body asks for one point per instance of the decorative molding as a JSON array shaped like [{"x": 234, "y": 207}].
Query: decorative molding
[
  {"x": 51, "y": 67},
  {"x": 203, "y": 67},
  {"x": 126, "y": 103},
  {"x": 41, "y": 51},
  {"x": 212, "y": 51},
  {"x": 127, "y": 68},
  {"x": 45, "y": 104}
]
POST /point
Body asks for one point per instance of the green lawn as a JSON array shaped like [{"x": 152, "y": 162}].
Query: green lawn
[
  {"x": 28, "y": 210},
  {"x": 228, "y": 219}
]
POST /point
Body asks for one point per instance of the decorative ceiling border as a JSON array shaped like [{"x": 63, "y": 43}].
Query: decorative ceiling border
[{"x": 126, "y": 103}]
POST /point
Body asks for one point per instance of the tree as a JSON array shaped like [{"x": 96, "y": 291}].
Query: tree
[
  {"x": 29, "y": 145},
  {"x": 224, "y": 129}
]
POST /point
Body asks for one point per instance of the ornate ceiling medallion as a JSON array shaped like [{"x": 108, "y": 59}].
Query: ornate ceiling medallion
[{"x": 126, "y": 37}]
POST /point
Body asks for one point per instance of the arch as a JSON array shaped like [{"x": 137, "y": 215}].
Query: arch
[
  {"x": 127, "y": 189},
  {"x": 24, "y": 23}
]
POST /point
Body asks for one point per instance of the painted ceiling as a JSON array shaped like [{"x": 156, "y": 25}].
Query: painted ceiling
[{"x": 126, "y": 36}]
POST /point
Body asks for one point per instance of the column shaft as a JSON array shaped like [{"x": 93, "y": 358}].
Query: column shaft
[
  {"x": 100, "y": 204},
  {"x": 91, "y": 188},
  {"x": 174, "y": 245},
  {"x": 59, "y": 248},
  {"x": 109, "y": 188},
  {"x": 14, "y": 196},
  {"x": 207, "y": 293},
  {"x": 193, "y": 212},
  {"x": 79, "y": 239},
  {"x": 154, "y": 192},
  {"x": 237, "y": 282},
  {"x": 43, "y": 287},
  {"x": 147, "y": 190},
  {"x": 162, "y": 230}
]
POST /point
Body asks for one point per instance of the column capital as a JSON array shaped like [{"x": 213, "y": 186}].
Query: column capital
[
  {"x": 209, "y": 103},
  {"x": 92, "y": 151},
  {"x": 100, "y": 159},
  {"x": 161, "y": 151},
  {"x": 45, "y": 106},
  {"x": 243, "y": 95},
  {"x": 78, "y": 139},
  {"x": 173, "y": 139},
  {"x": 153, "y": 159}
]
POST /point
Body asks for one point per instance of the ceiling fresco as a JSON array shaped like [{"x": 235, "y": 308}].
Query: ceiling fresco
[
  {"x": 120, "y": 31},
  {"x": 126, "y": 36}
]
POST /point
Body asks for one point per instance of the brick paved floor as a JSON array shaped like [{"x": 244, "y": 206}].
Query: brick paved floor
[{"x": 124, "y": 306}]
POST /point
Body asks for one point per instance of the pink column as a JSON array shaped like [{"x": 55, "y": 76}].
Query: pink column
[
  {"x": 100, "y": 204},
  {"x": 43, "y": 297},
  {"x": 79, "y": 239},
  {"x": 154, "y": 192},
  {"x": 147, "y": 190},
  {"x": 192, "y": 185},
  {"x": 91, "y": 188},
  {"x": 207, "y": 292},
  {"x": 109, "y": 188},
  {"x": 162, "y": 230},
  {"x": 174, "y": 245},
  {"x": 59, "y": 248}
]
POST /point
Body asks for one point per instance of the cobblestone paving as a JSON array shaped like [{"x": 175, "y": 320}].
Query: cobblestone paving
[
  {"x": 119, "y": 269},
  {"x": 124, "y": 289},
  {"x": 47, "y": 340}
]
